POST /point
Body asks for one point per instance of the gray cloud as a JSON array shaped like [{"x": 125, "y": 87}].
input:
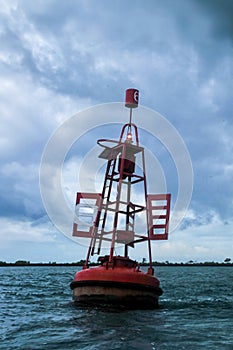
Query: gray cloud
[
  {"x": 221, "y": 16},
  {"x": 56, "y": 60}
]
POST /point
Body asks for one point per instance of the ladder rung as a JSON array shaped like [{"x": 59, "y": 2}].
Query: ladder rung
[
  {"x": 159, "y": 226},
  {"x": 159, "y": 207},
  {"x": 159, "y": 216}
]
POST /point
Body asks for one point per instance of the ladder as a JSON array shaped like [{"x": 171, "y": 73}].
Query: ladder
[{"x": 110, "y": 175}]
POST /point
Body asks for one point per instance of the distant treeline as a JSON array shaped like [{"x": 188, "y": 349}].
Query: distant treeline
[{"x": 227, "y": 262}]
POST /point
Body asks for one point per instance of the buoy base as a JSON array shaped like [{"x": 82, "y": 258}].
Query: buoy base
[
  {"x": 130, "y": 298},
  {"x": 122, "y": 284}
]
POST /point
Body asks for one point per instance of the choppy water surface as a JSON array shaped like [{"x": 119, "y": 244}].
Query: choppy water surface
[{"x": 37, "y": 312}]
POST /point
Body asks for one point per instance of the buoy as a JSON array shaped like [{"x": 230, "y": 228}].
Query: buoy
[{"x": 111, "y": 214}]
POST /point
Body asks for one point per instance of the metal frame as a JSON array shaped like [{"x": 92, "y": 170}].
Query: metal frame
[{"x": 119, "y": 177}]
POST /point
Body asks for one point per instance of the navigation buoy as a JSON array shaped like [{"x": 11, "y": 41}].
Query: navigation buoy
[{"x": 112, "y": 221}]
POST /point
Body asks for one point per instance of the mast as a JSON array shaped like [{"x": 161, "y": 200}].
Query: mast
[{"x": 113, "y": 211}]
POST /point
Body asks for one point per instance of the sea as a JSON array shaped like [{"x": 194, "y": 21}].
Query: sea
[{"x": 37, "y": 312}]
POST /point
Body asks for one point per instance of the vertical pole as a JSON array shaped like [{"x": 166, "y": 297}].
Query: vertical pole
[
  {"x": 90, "y": 248},
  {"x": 128, "y": 203},
  {"x": 128, "y": 211},
  {"x": 126, "y": 250},
  {"x": 130, "y": 115},
  {"x": 118, "y": 197}
]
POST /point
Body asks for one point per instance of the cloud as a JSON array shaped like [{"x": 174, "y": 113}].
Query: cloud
[
  {"x": 29, "y": 114},
  {"x": 221, "y": 16},
  {"x": 14, "y": 231},
  {"x": 35, "y": 241},
  {"x": 30, "y": 41},
  {"x": 20, "y": 195},
  {"x": 56, "y": 60}
]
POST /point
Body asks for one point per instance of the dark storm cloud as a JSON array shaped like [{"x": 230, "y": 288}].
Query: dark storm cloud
[{"x": 221, "y": 16}]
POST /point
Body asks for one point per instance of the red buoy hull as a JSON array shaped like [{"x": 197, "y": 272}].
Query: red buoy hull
[{"x": 119, "y": 285}]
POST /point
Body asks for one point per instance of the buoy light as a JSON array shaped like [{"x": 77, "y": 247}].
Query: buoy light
[{"x": 129, "y": 137}]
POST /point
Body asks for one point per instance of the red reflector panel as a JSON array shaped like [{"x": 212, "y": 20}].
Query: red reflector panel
[
  {"x": 158, "y": 215},
  {"x": 86, "y": 212}
]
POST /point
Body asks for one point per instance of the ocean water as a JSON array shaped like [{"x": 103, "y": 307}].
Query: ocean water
[{"x": 37, "y": 312}]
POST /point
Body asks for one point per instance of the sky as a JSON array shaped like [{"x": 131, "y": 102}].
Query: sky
[{"x": 64, "y": 69}]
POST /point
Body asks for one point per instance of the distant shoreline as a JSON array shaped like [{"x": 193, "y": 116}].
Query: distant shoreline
[{"x": 80, "y": 263}]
